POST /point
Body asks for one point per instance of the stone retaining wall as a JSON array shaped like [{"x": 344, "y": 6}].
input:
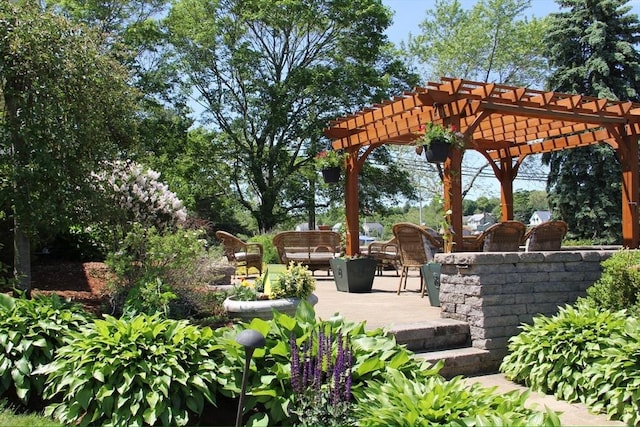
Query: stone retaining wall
[{"x": 496, "y": 292}]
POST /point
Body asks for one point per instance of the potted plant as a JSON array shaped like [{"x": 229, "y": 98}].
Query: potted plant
[
  {"x": 280, "y": 288},
  {"x": 353, "y": 274},
  {"x": 438, "y": 140},
  {"x": 330, "y": 162}
]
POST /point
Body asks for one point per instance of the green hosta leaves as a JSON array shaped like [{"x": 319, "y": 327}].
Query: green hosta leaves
[
  {"x": 31, "y": 331},
  {"x": 582, "y": 354},
  {"x": 135, "y": 371},
  {"x": 396, "y": 400}
]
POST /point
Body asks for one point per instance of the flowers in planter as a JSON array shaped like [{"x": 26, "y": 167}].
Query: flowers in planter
[
  {"x": 329, "y": 159},
  {"x": 435, "y": 132},
  {"x": 296, "y": 282}
]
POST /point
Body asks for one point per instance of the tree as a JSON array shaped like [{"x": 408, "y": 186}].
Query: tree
[
  {"x": 490, "y": 42},
  {"x": 270, "y": 75},
  {"x": 592, "y": 47},
  {"x": 66, "y": 107}
]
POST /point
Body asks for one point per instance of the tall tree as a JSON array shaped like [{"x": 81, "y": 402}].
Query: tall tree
[
  {"x": 270, "y": 74},
  {"x": 66, "y": 107},
  {"x": 491, "y": 42},
  {"x": 592, "y": 46}
]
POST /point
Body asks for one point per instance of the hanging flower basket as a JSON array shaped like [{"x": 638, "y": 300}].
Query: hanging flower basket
[
  {"x": 437, "y": 151},
  {"x": 331, "y": 175}
]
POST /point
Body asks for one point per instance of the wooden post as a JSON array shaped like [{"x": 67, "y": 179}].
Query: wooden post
[
  {"x": 352, "y": 203},
  {"x": 506, "y": 189},
  {"x": 628, "y": 155}
]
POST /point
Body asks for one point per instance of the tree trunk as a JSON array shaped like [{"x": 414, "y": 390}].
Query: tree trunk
[{"x": 21, "y": 259}]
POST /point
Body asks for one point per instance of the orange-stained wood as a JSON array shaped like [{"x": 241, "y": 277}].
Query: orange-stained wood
[{"x": 502, "y": 123}]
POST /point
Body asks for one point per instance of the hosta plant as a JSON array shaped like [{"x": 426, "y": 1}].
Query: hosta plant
[
  {"x": 396, "y": 400},
  {"x": 31, "y": 332},
  {"x": 144, "y": 370},
  {"x": 581, "y": 354},
  {"x": 269, "y": 382}
]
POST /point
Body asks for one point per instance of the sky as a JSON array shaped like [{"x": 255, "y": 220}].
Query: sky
[{"x": 410, "y": 13}]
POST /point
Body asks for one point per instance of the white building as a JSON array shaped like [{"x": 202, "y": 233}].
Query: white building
[{"x": 538, "y": 217}]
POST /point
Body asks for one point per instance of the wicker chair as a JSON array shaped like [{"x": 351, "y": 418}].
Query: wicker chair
[
  {"x": 417, "y": 246},
  {"x": 502, "y": 237},
  {"x": 386, "y": 253},
  {"x": 546, "y": 236},
  {"x": 248, "y": 255}
]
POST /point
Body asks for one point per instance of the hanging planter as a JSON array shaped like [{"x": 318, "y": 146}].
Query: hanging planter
[
  {"x": 331, "y": 175},
  {"x": 437, "y": 151}
]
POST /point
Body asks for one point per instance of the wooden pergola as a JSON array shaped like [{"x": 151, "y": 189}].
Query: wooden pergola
[{"x": 503, "y": 123}]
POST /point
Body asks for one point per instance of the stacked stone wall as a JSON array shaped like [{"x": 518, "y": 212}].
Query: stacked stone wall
[{"x": 497, "y": 292}]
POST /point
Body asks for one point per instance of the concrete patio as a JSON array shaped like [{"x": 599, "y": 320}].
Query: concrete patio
[{"x": 380, "y": 308}]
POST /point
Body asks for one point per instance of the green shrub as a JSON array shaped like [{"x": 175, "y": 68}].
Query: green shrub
[
  {"x": 581, "y": 354},
  {"x": 395, "y": 400},
  {"x": 31, "y": 332},
  {"x": 619, "y": 285},
  {"x": 158, "y": 273},
  {"x": 270, "y": 253},
  {"x": 142, "y": 371}
]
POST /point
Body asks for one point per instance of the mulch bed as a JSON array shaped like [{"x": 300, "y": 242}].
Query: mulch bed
[{"x": 81, "y": 282}]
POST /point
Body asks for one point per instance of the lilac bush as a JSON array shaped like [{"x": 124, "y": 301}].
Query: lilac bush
[{"x": 140, "y": 196}]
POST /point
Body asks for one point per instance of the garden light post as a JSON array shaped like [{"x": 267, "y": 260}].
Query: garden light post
[{"x": 250, "y": 340}]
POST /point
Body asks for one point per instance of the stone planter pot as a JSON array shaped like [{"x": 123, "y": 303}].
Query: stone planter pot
[
  {"x": 263, "y": 309},
  {"x": 437, "y": 151},
  {"x": 331, "y": 175},
  {"x": 354, "y": 275},
  {"x": 431, "y": 278}
]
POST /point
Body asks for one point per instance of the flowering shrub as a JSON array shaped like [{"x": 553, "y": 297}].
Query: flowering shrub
[
  {"x": 140, "y": 195},
  {"x": 321, "y": 382},
  {"x": 329, "y": 159},
  {"x": 296, "y": 282},
  {"x": 435, "y": 132}
]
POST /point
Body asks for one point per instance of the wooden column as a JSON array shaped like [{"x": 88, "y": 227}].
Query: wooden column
[
  {"x": 628, "y": 155},
  {"x": 506, "y": 177},
  {"x": 352, "y": 204},
  {"x": 453, "y": 193}
]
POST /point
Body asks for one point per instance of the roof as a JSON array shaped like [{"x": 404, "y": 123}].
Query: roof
[
  {"x": 543, "y": 215},
  {"x": 503, "y": 121}
]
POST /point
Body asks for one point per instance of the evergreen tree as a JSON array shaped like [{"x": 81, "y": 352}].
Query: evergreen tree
[{"x": 592, "y": 49}]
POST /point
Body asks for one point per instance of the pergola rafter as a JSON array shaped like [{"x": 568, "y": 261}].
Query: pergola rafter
[{"x": 503, "y": 123}]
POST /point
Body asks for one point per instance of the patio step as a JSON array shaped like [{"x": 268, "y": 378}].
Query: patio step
[
  {"x": 467, "y": 361},
  {"x": 433, "y": 335},
  {"x": 448, "y": 340}
]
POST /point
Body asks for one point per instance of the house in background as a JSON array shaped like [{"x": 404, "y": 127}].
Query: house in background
[
  {"x": 479, "y": 222},
  {"x": 538, "y": 217}
]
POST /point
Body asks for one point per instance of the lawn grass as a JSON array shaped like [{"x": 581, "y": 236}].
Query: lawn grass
[{"x": 9, "y": 418}]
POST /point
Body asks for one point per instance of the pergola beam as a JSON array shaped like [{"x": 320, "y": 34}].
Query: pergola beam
[{"x": 501, "y": 122}]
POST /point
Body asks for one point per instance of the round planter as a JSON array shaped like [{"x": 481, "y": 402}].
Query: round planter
[
  {"x": 437, "y": 152},
  {"x": 331, "y": 175},
  {"x": 263, "y": 309}
]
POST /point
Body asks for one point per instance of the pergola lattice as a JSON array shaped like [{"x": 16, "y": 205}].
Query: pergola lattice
[{"x": 504, "y": 124}]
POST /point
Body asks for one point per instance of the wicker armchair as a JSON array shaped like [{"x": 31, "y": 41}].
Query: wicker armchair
[
  {"x": 385, "y": 252},
  {"x": 546, "y": 236},
  {"x": 502, "y": 237},
  {"x": 247, "y": 255},
  {"x": 417, "y": 246}
]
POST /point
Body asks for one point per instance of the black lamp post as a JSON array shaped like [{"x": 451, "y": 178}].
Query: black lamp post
[{"x": 251, "y": 340}]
